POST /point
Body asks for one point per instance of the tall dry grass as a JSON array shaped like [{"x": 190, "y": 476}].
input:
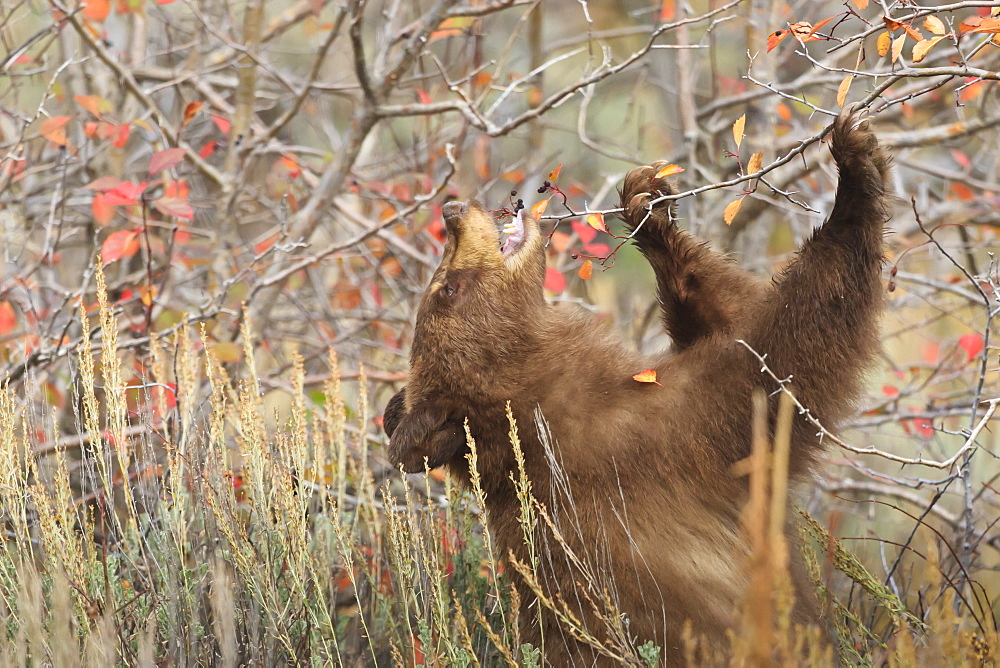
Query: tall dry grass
[{"x": 185, "y": 525}]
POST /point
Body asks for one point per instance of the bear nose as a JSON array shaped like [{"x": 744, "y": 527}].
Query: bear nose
[{"x": 454, "y": 209}]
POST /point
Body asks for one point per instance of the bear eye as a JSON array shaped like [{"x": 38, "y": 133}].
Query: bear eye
[{"x": 450, "y": 289}]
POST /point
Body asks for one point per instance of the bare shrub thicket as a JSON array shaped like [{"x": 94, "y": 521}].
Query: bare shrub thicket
[{"x": 196, "y": 493}]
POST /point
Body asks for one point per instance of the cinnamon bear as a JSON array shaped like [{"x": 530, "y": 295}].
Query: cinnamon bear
[{"x": 638, "y": 476}]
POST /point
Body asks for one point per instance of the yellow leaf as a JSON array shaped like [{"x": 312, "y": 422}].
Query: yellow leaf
[
  {"x": 738, "y": 129},
  {"x": 897, "y": 47},
  {"x": 539, "y": 208},
  {"x": 845, "y": 85},
  {"x": 884, "y": 42},
  {"x": 934, "y": 25},
  {"x": 731, "y": 210},
  {"x": 922, "y": 48},
  {"x": 554, "y": 174},
  {"x": 586, "y": 269},
  {"x": 668, "y": 170},
  {"x": 596, "y": 220},
  {"x": 647, "y": 376},
  {"x": 755, "y": 163}
]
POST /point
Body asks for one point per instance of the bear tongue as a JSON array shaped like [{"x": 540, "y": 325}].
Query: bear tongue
[{"x": 516, "y": 230}]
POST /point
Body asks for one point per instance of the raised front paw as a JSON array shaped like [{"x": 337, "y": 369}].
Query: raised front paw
[{"x": 639, "y": 194}]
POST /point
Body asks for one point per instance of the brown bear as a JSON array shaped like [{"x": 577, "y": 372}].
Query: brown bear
[{"x": 638, "y": 476}]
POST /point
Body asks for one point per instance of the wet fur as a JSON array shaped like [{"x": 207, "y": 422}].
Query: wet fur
[{"x": 642, "y": 486}]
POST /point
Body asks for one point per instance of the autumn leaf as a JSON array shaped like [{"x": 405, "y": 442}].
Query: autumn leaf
[
  {"x": 842, "y": 89},
  {"x": 208, "y": 149},
  {"x": 883, "y": 43},
  {"x": 897, "y": 47},
  {"x": 934, "y": 25},
  {"x": 586, "y": 270},
  {"x": 921, "y": 49},
  {"x": 812, "y": 33},
  {"x": 731, "y": 210},
  {"x": 668, "y": 170},
  {"x": 190, "y": 111},
  {"x": 982, "y": 25},
  {"x": 738, "y": 129},
  {"x": 539, "y": 208},
  {"x": 451, "y": 27},
  {"x": 103, "y": 184},
  {"x": 890, "y": 391},
  {"x": 96, "y": 11},
  {"x": 755, "y": 163},
  {"x": 54, "y": 129},
  {"x": 103, "y": 212},
  {"x": 119, "y": 134},
  {"x": 668, "y": 10},
  {"x": 860, "y": 4},
  {"x": 972, "y": 344},
  {"x": 774, "y": 39},
  {"x": 596, "y": 220},
  {"x": 120, "y": 245},
  {"x": 165, "y": 159},
  {"x": 8, "y": 320},
  {"x": 554, "y": 280},
  {"x": 554, "y": 174},
  {"x": 892, "y": 25},
  {"x": 125, "y": 193},
  {"x": 95, "y": 104},
  {"x": 647, "y": 376},
  {"x": 221, "y": 123}
]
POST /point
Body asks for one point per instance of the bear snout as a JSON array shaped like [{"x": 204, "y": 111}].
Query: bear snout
[{"x": 454, "y": 209}]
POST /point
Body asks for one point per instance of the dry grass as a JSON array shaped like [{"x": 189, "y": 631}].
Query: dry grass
[{"x": 213, "y": 533}]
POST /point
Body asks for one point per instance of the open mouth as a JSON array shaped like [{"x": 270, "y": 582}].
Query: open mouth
[{"x": 515, "y": 235}]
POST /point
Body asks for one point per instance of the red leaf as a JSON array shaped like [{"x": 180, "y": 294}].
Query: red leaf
[
  {"x": 208, "y": 149},
  {"x": 972, "y": 344},
  {"x": 125, "y": 194},
  {"x": 120, "y": 245},
  {"x": 7, "y": 318},
  {"x": 54, "y": 129},
  {"x": 647, "y": 376},
  {"x": 165, "y": 159},
  {"x": 222, "y": 124},
  {"x": 585, "y": 232},
  {"x": 890, "y": 391},
  {"x": 554, "y": 280},
  {"x": 598, "y": 249},
  {"x": 190, "y": 111},
  {"x": 103, "y": 212},
  {"x": 120, "y": 135}
]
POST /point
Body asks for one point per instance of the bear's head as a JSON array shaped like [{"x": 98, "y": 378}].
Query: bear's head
[{"x": 479, "y": 316}]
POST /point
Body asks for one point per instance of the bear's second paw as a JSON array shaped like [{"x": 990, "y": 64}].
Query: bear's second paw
[{"x": 640, "y": 192}]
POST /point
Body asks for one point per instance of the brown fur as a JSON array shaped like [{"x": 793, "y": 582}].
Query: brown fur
[{"x": 639, "y": 475}]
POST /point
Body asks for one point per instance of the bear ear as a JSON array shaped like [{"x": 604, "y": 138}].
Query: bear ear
[{"x": 473, "y": 240}]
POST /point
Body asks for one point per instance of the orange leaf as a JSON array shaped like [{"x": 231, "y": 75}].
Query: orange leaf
[
  {"x": 883, "y": 43},
  {"x": 897, "y": 47},
  {"x": 934, "y": 25},
  {"x": 8, "y": 320},
  {"x": 539, "y": 208},
  {"x": 165, "y": 159},
  {"x": 842, "y": 89},
  {"x": 190, "y": 111},
  {"x": 892, "y": 25},
  {"x": 860, "y": 4},
  {"x": 731, "y": 210},
  {"x": 774, "y": 39},
  {"x": 120, "y": 245},
  {"x": 755, "y": 163},
  {"x": 95, "y": 104},
  {"x": 668, "y": 10},
  {"x": 784, "y": 112},
  {"x": 668, "y": 170},
  {"x": 586, "y": 270},
  {"x": 554, "y": 174},
  {"x": 647, "y": 376},
  {"x": 596, "y": 220},
  {"x": 812, "y": 33},
  {"x": 96, "y": 10},
  {"x": 120, "y": 135},
  {"x": 922, "y": 48},
  {"x": 54, "y": 129}
]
